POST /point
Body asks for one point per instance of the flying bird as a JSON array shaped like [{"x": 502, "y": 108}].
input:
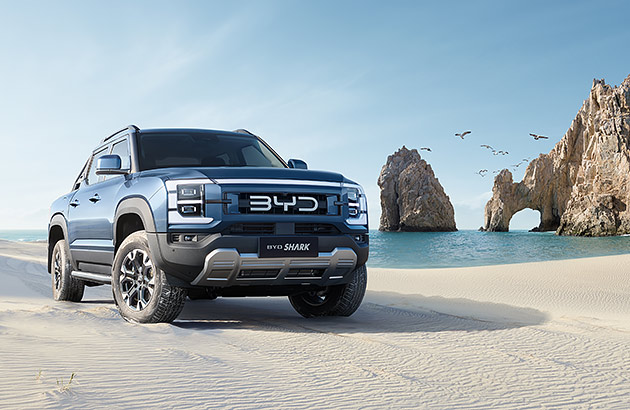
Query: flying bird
[
  {"x": 517, "y": 165},
  {"x": 487, "y": 146},
  {"x": 463, "y": 134},
  {"x": 482, "y": 172},
  {"x": 425, "y": 149},
  {"x": 503, "y": 152},
  {"x": 537, "y": 137}
]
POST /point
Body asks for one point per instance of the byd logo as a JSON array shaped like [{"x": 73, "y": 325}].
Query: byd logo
[{"x": 262, "y": 203}]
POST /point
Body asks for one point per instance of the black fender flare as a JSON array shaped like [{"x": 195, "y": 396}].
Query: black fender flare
[
  {"x": 60, "y": 221},
  {"x": 135, "y": 206}
]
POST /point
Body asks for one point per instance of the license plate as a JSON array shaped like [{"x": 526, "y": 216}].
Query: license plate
[{"x": 278, "y": 246}]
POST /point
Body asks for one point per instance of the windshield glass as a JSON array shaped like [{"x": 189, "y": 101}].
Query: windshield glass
[{"x": 203, "y": 149}]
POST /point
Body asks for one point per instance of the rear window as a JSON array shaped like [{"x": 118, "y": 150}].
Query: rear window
[{"x": 203, "y": 149}]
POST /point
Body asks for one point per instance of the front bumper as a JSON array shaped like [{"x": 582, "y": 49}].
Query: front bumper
[
  {"x": 232, "y": 260},
  {"x": 227, "y": 267}
]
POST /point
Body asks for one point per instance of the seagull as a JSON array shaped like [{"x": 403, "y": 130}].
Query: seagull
[
  {"x": 502, "y": 152},
  {"x": 537, "y": 137},
  {"x": 487, "y": 146},
  {"x": 425, "y": 149},
  {"x": 517, "y": 165},
  {"x": 482, "y": 172},
  {"x": 463, "y": 134}
]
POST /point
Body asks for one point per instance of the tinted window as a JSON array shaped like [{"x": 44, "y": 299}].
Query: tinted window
[
  {"x": 92, "y": 177},
  {"x": 203, "y": 149},
  {"x": 122, "y": 150}
]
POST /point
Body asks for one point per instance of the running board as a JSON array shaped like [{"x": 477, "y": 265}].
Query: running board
[{"x": 92, "y": 277}]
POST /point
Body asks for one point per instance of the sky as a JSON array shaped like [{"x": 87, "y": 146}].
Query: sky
[{"x": 339, "y": 84}]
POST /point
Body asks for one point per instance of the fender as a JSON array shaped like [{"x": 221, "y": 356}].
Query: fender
[
  {"x": 138, "y": 206},
  {"x": 60, "y": 221}
]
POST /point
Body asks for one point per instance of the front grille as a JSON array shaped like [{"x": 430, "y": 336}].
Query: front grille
[
  {"x": 282, "y": 204},
  {"x": 251, "y": 229},
  {"x": 315, "y": 229},
  {"x": 258, "y": 273}
]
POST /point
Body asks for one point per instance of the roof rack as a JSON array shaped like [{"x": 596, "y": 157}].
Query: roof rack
[
  {"x": 131, "y": 128},
  {"x": 244, "y": 131}
]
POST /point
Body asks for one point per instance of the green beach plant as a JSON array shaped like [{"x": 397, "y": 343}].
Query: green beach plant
[{"x": 63, "y": 386}]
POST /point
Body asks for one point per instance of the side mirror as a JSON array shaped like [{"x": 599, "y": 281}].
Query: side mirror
[
  {"x": 109, "y": 165},
  {"x": 297, "y": 164}
]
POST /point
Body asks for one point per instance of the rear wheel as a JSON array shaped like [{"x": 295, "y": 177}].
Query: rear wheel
[
  {"x": 64, "y": 286},
  {"x": 339, "y": 300},
  {"x": 140, "y": 289}
]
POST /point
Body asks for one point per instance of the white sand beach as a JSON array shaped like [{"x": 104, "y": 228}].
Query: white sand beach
[{"x": 536, "y": 335}]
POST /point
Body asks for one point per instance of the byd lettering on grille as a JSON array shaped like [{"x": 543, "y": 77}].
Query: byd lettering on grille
[{"x": 263, "y": 203}]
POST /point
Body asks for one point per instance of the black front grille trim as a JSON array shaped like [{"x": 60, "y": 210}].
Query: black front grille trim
[
  {"x": 305, "y": 273},
  {"x": 315, "y": 229},
  {"x": 258, "y": 273},
  {"x": 251, "y": 229}
]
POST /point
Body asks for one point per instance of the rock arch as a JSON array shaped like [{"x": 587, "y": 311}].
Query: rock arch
[{"x": 582, "y": 187}]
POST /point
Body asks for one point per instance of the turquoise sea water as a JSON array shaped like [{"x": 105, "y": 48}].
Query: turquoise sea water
[
  {"x": 456, "y": 249},
  {"x": 23, "y": 235},
  {"x": 473, "y": 248}
]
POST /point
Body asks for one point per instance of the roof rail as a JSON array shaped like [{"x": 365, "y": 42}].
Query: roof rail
[
  {"x": 131, "y": 128},
  {"x": 244, "y": 131}
]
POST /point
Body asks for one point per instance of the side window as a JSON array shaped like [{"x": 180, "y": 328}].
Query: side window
[
  {"x": 92, "y": 178},
  {"x": 121, "y": 148}
]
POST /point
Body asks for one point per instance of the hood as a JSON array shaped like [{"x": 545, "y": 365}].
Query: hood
[{"x": 247, "y": 173}]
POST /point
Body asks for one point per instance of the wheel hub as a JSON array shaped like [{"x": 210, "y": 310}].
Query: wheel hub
[
  {"x": 57, "y": 270},
  {"x": 316, "y": 298},
  {"x": 137, "y": 279}
]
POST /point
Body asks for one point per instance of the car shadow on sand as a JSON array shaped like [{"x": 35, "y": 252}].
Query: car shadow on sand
[{"x": 381, "y": 312}]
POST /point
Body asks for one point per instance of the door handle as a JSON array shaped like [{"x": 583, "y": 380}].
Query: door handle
[
  {"x": 95, "y": 198},
  {"x": 75, "y": 203}
]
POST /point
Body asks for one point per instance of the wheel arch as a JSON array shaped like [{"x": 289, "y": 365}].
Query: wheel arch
[
  {"x": 57, "y": 230},
  {"x": 132, "y": 214}
]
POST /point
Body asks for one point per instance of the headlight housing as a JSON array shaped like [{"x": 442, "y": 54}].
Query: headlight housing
[
  {"x": 186, "y": 201},
  {"x": 357, "y": 205}
]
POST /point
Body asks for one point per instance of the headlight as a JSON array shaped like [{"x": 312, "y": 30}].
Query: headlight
[
  {"x": 186, "y": 201},
  {"x": 357, "y": 205}
]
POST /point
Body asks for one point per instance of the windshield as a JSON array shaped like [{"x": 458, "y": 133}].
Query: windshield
[{"x": 203, "y": 149}]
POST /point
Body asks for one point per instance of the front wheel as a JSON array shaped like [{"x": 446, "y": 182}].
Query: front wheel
[
  {"x": 140, "y": 289},
  {"x": 338, "y": 300}
]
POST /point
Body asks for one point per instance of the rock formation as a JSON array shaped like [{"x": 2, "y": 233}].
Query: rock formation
[
  {"x": 412, "y": 198},
  {"x": 582, "y": 187}
]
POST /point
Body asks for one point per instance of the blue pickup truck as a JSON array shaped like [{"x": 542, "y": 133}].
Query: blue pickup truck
[{"x": 165, "y": 214}]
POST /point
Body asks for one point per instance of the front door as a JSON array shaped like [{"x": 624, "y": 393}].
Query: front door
[{"x": 90, "y": 233}]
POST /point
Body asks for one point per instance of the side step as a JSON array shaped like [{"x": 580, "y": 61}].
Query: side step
[{"x": 93, "y": 277}]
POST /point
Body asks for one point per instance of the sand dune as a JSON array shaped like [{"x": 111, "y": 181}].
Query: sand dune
[{"x": 552, "y": 334}]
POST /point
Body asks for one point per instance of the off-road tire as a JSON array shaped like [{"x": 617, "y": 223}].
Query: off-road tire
[
  {"x": 165, "y": 303},
  {"x": 64, "y": 286},
  {"x": 339, "y": 300}
]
